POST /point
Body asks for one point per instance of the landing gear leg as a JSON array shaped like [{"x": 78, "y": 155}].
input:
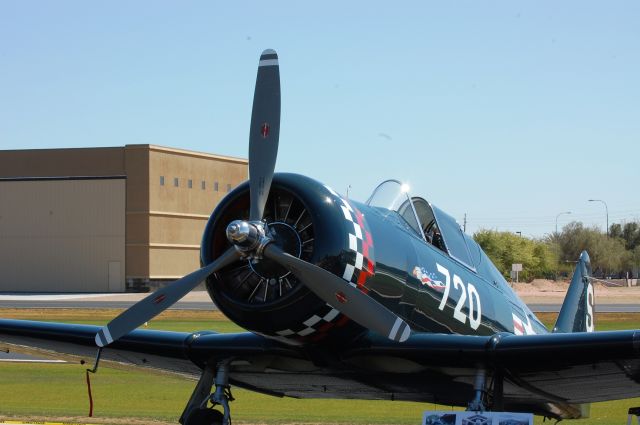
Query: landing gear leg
[
  {"x": 197, "y": 411},
  {"x": 498, "y": 390},
  {"x": 222, "y": 395},
  {"x": 477, "y": 404}
]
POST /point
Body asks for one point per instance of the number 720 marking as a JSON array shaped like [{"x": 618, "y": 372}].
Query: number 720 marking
[{"x": 475, "y": 306}]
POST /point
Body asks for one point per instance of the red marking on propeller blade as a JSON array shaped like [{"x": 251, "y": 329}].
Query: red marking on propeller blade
[
  {"x": 341, "y": 297},
  {"x": 159, "y": 299},
  {"x": 264, "y": 130}
]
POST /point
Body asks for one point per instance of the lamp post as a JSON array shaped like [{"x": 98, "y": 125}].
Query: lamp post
[
  {"x": 564, "y": 212},
  {"x": 606, "y": 209}
]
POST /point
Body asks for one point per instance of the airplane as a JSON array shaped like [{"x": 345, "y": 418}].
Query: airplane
[{"x": 383, "y": 299}]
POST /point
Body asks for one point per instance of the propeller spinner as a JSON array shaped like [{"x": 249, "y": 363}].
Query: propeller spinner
[{"x": 251, "y": 239}]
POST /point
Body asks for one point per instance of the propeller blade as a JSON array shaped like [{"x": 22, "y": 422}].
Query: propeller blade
[
  {"x": 342, "y": 296},
  {"x": 264, "y": 132},
  {"x": 157, "y": 302}
]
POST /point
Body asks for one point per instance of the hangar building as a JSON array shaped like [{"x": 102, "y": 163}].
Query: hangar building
[{"x": 106, "y": 219}]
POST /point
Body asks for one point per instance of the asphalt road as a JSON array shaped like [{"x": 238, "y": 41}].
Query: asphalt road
[
  {"x": 600, "y": 308},
  {"x": 25, "y": 358},
  {"x": 189, "y": 305}
]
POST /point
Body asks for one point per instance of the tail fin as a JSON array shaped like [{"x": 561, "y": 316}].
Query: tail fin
[{"x": 576, "y": 314}]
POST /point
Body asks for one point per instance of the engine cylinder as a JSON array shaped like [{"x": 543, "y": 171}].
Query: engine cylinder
[{"x": 305, "y": 219}]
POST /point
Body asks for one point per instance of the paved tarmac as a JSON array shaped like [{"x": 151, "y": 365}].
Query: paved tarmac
[
  {"x": 198, "y": 300},
  {"x": 25, "y": 358},
  {"x": 101, "y": 304},
  {"x": 599, "y": 308},
  {"x": 195, "y": 300}
]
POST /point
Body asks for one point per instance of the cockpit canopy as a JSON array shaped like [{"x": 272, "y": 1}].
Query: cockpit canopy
[{"x": 427, "y": 221}]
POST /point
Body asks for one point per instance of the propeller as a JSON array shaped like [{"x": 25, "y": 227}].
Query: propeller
[
  {"x": 264, "y": 132},
  {"x": 251, "y": 239},
  {"x": 342, "y": 296},
  {"x": 154, "y": 304}
]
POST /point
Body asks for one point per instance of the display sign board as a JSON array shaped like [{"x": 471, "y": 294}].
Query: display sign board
[
  {"x": 476, "y": 418},
  {"x": 516, "y": 267}
]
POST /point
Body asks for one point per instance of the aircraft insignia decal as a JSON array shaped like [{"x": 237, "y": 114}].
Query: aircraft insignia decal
[
  {"x": 428, "y": 279},
  {"x": 520, "y": 327}
]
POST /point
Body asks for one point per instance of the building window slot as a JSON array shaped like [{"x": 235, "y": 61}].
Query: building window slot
[
  {"x": 161, "y": 180},
  {"x": 215, "y": 186},
  {"x": 190, "y": 184},
  {"x": 203, "y": 185},
  {"x": 228, "y": 188},
  {"x": 176, "y": 182}
]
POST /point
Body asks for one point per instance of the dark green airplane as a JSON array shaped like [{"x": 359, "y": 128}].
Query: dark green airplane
[{"x": 386, "y": 299}]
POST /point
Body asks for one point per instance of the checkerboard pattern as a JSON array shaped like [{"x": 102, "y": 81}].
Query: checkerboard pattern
[
  {"x": 361, "y": 246},
  {"x": 316, "y": 323},
  {"x": 359, "y": 266}
]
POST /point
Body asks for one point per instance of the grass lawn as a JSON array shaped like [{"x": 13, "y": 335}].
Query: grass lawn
[{"x": 59, "y": 390}]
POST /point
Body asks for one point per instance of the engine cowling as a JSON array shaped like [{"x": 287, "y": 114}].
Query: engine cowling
[{"x": 307, "y": 220}]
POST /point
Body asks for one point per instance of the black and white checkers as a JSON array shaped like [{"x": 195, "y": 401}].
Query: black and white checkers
[{"x": 359, "y": 265}]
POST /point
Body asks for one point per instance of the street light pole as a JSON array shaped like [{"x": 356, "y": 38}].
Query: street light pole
[
  {"x": 564, "y": 212},
  {"x": 606, "y": 209}
]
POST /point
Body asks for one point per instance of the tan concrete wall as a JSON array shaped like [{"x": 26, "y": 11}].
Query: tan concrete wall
[
  {"x": 62, "y": 162},
  {"x": 178, "y": 214},
  {"x": 163, "y": 224},
  {"x": 60, "y": 235},
  {"x": 176, "y": 230},
  {"x": 197, "y": 167},
  {"x": 136, "y": 160},
  {"x": 173, "y": 263}
]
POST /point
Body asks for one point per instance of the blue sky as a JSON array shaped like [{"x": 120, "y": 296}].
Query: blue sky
[{"x": 510, "y": 112}]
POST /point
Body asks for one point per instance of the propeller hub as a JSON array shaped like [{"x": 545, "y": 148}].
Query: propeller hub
[
  {"x": 239, "y": 231},
  {"x": 248, "y": 236},
  {"x": 286, "y": 238}
]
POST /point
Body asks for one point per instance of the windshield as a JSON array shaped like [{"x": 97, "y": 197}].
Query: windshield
[{"x": 393, "y": 197}]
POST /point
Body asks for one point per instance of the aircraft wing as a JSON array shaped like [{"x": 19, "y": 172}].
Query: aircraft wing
[
  {"x": 175, "y": 352},
  {"x": 549, "y": 374}
]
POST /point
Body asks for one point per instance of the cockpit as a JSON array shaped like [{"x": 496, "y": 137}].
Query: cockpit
[{"x": 427, "y": 221}]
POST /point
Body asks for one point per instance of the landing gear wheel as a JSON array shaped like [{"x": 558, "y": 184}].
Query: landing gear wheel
[
  {"x": 204, "y": 417},
  {"x": 197, "y": 411}
]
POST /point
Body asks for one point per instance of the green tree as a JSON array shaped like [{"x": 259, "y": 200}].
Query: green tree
[
  {"x": 615, "y": 230},
  {"x": 505, "y": 248},
  {"x": 631, "y": 235},
  {"x": 608, "y": 254}
]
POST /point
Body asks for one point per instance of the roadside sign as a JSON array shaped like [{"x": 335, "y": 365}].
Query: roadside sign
[{"x": 476, "y": 418}]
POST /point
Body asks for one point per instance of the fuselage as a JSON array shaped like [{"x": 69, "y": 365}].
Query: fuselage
[
  {"x": 378, "y": 249},
  {"x": 437, "y": 293}
]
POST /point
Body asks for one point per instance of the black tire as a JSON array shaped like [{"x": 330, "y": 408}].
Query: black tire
[{"x": 204, "y": 417}]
